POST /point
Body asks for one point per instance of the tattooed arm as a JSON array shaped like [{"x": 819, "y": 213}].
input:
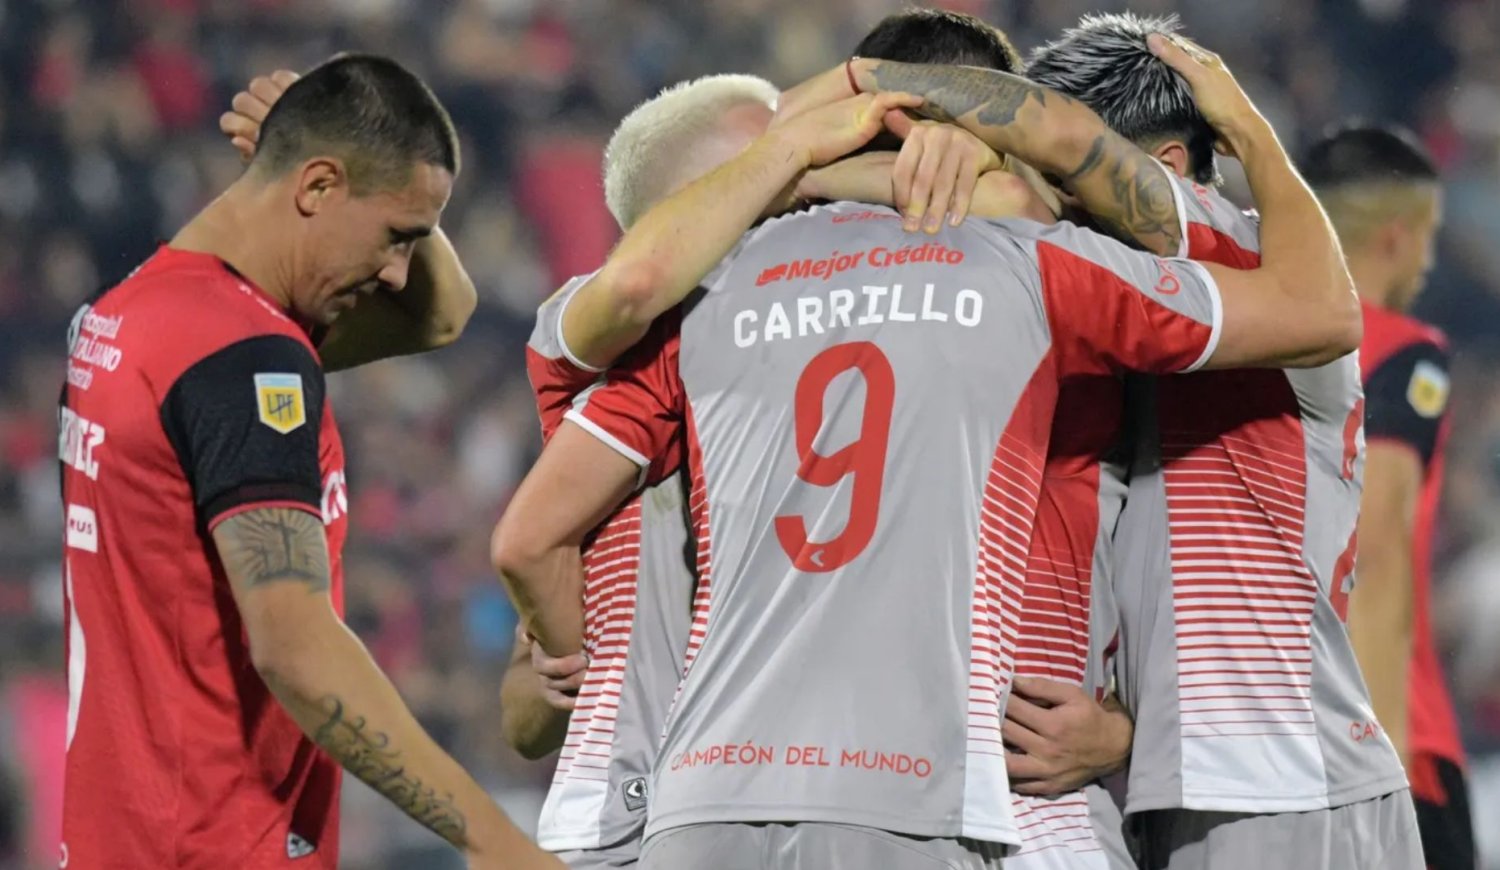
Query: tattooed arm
[
  {"x": 277, "y": 563},
  {"x": 1128, "y": 192}
]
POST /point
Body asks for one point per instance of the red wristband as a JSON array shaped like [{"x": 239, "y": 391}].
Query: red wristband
[{"x": 849, "y": 71}]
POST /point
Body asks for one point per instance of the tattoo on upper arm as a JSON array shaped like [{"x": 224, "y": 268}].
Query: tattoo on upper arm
[
  {"x": 268, "y": 544},
  {"x": 369, "y": 755}
]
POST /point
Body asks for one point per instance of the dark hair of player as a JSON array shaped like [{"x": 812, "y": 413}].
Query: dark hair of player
[
  {"x": 1356, "y": 153},
  {"x": 368, "y": 111},
  {"x": 1105, "y": 64},
  {"x": 922, "y": 35}
]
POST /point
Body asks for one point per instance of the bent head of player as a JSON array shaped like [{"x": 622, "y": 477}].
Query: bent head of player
[
  {"x": 355, "y": 164},
  {"x": 679, "y": 135},
  {"x": 1105, "y": 64},
  {"x": 1380, "y": 187},
  {"x": 922, "y": 35}
]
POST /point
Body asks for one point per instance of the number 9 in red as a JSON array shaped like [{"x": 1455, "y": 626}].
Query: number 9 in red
[{"x": 864, "y": 458}]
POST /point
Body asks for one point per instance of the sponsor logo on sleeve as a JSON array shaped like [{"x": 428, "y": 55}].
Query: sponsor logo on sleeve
[
  {"x": 1428, "y": 390},
  {"x": 279, "y": 401},
  {"x": 83, "y": 528}
]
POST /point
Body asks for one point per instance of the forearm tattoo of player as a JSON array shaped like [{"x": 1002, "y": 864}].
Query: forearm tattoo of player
[
  {"x": 949, "y": 93},
  {"x": 269, "y": 544},
  {"x": 1139, "y": 206},
  {"x": 368, "y": 754},
  {"x": 1135, "y": 204}
]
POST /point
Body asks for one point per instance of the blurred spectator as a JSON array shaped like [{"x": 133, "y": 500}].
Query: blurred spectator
[{"x": 107, "y": 142}]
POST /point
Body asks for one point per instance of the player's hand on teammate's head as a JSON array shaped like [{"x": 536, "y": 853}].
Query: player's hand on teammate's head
[
  {"x": 936, "y": 172},
  {"x": 250, "y": 107},
  {"x": 1220, "y": 98}
]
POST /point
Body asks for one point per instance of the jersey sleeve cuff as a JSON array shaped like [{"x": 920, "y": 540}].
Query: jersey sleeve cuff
[
  {"x": 612, "y": 442},
  {"x": 245, "y": 498},
  {"x": 562, "y": 341},
  {"x": 1216, "y": 324},
  {"x": 1176, "y": 183}
]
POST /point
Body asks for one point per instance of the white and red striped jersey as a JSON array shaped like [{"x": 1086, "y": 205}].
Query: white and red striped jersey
[
  {"x": 867, "y": 420},
  {"x": 1236, "y": 555},
  {"x": 638, "y": 590}
]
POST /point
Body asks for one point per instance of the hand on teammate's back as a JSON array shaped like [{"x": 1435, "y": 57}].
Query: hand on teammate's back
[
  {"x": 1065, "y": 738},
  {"x": 250, "y": 107},
  {"x": 560, "y": 677}
]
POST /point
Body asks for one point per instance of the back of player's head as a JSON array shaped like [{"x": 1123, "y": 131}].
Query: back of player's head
[
  {"x": 684, "y": 132},
  {"x": 1366, "y": 174},
  {"x": 921, "y": 35},
  {"x": 1105, "y": 64},
  {"x": 370, "y": 112}
]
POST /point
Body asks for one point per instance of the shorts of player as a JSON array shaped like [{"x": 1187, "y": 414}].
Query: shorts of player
[
  {"x": 1377, "y": 834},
  {"x": 1441, "y": 794},
  {"x": 1064, "y": 841},
  {"x": 810, "y": 846},
  {"x": 625, "y": 853}
]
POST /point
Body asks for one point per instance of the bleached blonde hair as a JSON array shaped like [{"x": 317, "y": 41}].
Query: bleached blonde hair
[{"x": 667, "y": 141}]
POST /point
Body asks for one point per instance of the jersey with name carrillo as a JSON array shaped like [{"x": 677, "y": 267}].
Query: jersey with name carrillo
[{"x": 867, "y": 416}]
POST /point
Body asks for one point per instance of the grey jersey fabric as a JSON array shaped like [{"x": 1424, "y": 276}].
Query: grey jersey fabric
[
  {"x": 867, "y": 420},
  {"x": 637, "y": 607},
  {"x": 1235, "y": 548}
]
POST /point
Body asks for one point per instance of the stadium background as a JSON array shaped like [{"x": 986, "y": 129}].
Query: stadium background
[{"x": 108, "y": 143}]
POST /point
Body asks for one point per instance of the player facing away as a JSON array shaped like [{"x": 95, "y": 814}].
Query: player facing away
[
  {"x": 1234, "y": 552},
  {"x": 214, "y": 690},
  {"x": 638, "y": 585},
  {"x": 852, "y": 549},
  {"x": 1382, "y": 192}
]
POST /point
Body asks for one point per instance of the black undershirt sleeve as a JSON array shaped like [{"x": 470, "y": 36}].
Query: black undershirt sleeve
[
  {"x": 245, "y": 424},
  {"x": 1405, "y": 397}
]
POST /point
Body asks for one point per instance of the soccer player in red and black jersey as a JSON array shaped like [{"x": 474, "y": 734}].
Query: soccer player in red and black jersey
[
  {"x": 1382, "y": 191},
  {"x": 214, "y": 691}
]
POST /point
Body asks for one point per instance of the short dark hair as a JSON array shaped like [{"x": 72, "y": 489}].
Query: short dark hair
[
  {"x": 1353, "y": 153},
  {"x": 369, "y": 111},
  {"x": 921, "y": 35},
  {"x": 1105, "y": 64}
]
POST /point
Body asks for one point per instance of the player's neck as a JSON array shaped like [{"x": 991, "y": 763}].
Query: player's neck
[
  {"x": 235, "y": 228},
  {"x": 1374, "y": 283}
]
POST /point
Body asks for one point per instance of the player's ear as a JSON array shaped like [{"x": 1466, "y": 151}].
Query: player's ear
[
  {"x": 1175, "y": 155},
  {"x": 319, "y": 181}
]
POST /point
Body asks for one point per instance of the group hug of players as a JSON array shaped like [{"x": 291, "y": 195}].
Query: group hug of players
[{"x": 976, "y": 491}]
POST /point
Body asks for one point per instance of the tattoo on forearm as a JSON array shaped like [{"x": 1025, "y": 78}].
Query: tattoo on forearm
[
  {"x": 1129, "y": 194},
  {"x": 1118, "y": 183},
  {"x": 368, "y": 754},
  {"x": 268, "y": 544},
  {"x": 950, "y": 92}
]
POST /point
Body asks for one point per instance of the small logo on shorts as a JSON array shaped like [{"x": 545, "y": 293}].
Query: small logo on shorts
[
  {"x": 635, "y": 794},
  {"x": 297, "y": 847}
]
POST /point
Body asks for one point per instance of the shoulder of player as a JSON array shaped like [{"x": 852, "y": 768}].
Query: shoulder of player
[
  {"x": 180, "y": 316},
  {"x": 1389, "y": 332}
]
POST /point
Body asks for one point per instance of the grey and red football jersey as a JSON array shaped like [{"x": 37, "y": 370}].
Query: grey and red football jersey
[
  {"x": 867, "y": 416},
  {"x": 1236, "y": 555},
  {"x": 638, "y": 590}
]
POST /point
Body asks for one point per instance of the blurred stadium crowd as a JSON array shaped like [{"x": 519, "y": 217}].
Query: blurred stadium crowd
[{"x": 108, "y": 143}]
